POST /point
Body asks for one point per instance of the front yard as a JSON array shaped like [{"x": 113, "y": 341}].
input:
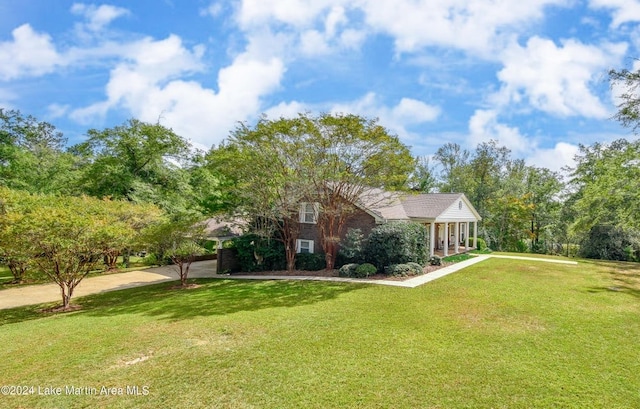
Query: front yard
[{"x": 502, "y": 333}]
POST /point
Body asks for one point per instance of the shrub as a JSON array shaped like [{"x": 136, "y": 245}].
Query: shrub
[
  {"x": 435, "y": 261},
  {"x": 365, "y": 270},
  {"x": 397, "y": 243},
  {"x": 399, "y": 270},
  {"x": 310, "y": 261},
  {"x": 415, "y": 267},
  {"x": 352, "y": 247},
  {"x": 607, "y": 242},
  {"x": 482, "y": 245},
  {"x": 348, "y": 270},
  {"x": 256, "y": 253}
]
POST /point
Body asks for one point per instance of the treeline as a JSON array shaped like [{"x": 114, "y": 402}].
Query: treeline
[{"x": 590, "y": 210}]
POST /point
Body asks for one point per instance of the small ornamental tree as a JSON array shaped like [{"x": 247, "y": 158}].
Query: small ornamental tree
[
  {"x": 178, "y": 240},
  {"x": 63, "y": 237},
  {"x": 183, "y": 254}
]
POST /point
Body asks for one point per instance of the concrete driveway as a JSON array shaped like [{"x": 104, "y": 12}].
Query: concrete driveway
[{"x": 42, "y": 293}]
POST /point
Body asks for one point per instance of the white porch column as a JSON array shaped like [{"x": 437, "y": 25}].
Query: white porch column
[
  {"x": 432, "y": 239},
  {"x": 466, "y": 236},
  {"x": 475, "y": 234},
  {"x": 446, "y": 239},
  {"x": 456, "y": 246}
]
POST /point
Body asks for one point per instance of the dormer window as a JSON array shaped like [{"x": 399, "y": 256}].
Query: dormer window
[{"x": 309, "y": 212}]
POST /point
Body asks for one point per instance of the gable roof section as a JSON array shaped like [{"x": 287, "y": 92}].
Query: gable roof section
[
  {"x": 382, "y": 205},
  {"x": 390, "y": 206},
  {"x": 429, "y": 205}
]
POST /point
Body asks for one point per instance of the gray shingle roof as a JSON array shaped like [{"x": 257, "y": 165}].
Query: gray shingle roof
[
  {"x": 404, "y": 206},
  {"x": 429, "y": 205}
]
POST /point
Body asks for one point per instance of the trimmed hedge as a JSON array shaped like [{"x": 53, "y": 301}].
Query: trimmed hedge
[
  {"x": 348, "y": 270},
  {"x": 310, "y": 261},
  {"x": 403, "y": 270},
  {"x": 365, "y": 270},
  {"x": 397, "y": 243}
]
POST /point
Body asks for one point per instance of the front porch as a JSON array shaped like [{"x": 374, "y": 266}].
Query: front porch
[
  {"x": 452, "y": 251},
  {"x": 448, "y": 237}
]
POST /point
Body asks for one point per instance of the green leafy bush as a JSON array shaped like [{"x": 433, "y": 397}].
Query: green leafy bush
[
  {"x": 365, "y": 270},
  {"x": 310, "y": 261},
  {"x": 435, "y": 261},
  {"x": 482, "y": 245},
  {"x": 352, "y": 247},
  {"x": 397, "y": 243},
  {"x": 399, "y": 270},
  {"x": 607, "y": 242},
  {"x": 415, "y": 267},
  {"x": 257, "y": 253},
  {"x": 348, "y": 270}
]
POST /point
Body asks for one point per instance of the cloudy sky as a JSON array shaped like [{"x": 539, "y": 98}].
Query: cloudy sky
[{"x": 529, "y": 73}]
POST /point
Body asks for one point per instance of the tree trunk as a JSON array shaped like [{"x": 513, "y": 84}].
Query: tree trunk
[
  {"x": 126, "y": 257},
  {"x": 66, "y": 296}
]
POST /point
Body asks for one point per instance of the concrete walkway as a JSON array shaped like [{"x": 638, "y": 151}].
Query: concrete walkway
[{"x": 43, "y": 293}]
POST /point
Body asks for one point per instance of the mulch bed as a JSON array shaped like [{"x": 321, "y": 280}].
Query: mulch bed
[{"x": 334, "y": 273}]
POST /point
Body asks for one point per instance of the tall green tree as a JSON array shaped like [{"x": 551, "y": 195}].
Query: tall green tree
[
  {"x": 32, "y": 156},
  {"x": 262, "y": 169},
  {"x": 347, "y": 156},
  {"x": 454, "y": 162},
  {"x": 628, "y": 81},
  {"x": 332, "y": 160},
  {"x": 140, "y": 162},
  {"x": 423, "y": 178},
  {"x": 606, "y": 181}
]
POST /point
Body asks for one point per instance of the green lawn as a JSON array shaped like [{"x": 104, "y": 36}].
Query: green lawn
[{"x": 499, "y": 334}]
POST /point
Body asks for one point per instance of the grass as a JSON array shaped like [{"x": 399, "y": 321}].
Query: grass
[
  {"x": 499, "y": 334},
  {"x": 456, "y": 258}
]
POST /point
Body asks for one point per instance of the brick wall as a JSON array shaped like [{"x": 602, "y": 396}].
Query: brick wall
[{"x": 359, "y": 219}]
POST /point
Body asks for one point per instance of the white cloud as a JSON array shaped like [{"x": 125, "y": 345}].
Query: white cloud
[
  {"x": 57, "y": 110},
  {"x": 479, "y": 27},
  {"x": 28, "y": 54},
  {"x": 484, "y": 126},
  {"x": 296, "y": 13},
  {"x": 407, "y": 113},
  {"x": 150, "y": 86},
  {"x": 287, "y": 110},
  {"x": 98, "y": 17},
  {"x": 214, "y": 10},
  {"x": 557, "y": 79},
  {"x": 622, "y": 11},
  {"x": 561, "y": 155}
]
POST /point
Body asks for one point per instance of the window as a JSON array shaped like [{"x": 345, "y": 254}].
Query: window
[
  {"x": 309, "y": 213},
  {"x": 305, "y": 246}
]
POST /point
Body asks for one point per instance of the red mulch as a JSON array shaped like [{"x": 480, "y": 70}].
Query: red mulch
[{"x": 334, "y": 273}]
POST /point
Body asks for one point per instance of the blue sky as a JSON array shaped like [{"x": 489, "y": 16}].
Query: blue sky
[{"x": 530, "y": 73}]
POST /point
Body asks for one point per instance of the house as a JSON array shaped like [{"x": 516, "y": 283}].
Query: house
[{"x": 449, "y": 217}]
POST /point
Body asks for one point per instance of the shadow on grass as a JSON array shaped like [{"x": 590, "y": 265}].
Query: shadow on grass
[
  {"x": 624, "y": 276},
  {"x": 211, "y": 297}
]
